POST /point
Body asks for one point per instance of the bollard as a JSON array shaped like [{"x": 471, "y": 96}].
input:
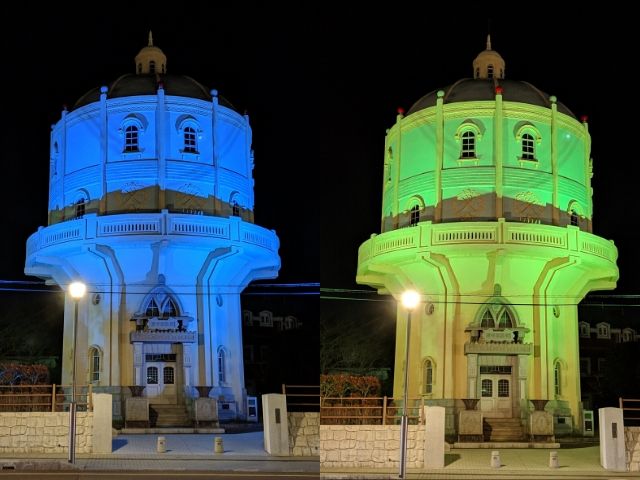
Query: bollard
[
  {"x": 162, "y": 445},
  {"x": 495, "y": 459},
  {"x": 553, "y": 460},
  {"x": 218, "y": 446}
]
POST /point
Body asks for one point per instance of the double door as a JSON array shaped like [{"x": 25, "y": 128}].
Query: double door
[
  {"x": 496, "y": 396},
  {"x": 161, "y": 382}
]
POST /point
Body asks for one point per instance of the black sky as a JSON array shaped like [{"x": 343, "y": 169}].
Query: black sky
[
  {"x": 321, "y": 84},
  {"x": 59, "y": 55}
]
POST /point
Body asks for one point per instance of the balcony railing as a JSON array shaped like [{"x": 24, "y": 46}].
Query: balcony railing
[
  {"x": 91, "y": 226},
  {"x": 427, "y": 234}
]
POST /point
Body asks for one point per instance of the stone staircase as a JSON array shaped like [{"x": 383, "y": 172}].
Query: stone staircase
[
  {"x": 164, "y": 416},
  {"x": 502, "y": 430}
]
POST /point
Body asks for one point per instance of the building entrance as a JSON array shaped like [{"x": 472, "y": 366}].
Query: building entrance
[
  {"x": 160, "y": 374},
  {"x": 496, "y": 391}
]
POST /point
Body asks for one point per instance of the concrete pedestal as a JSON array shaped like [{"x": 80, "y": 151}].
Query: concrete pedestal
[
  {"x": 541, "y": 426},
  {"x": 136, "y": 412},
  {"x": 470, "y": 426},
  {"x": 206, "y": 412}
]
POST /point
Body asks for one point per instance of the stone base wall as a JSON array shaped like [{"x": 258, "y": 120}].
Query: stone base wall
[
  {"x": 369, "y": 446},
  {"x": 44, "y": 432},
  {"x": 632, "y": 446},
  {"x": 304, "y": 435}
]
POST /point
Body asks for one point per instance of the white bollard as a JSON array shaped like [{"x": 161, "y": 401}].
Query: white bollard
[
  {"x": 162, "y": 445},
  {"x": 553, "y": 460},
  {"x": 495, "y": 459},
  {"x": 218, "y": 445}
]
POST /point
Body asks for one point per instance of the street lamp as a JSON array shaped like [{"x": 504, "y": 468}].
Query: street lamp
[
  {"x": 410, "y": 300},
  {"x": 77, "y": 291}
]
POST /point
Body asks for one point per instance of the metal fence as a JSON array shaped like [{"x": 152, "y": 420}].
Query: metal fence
[
  {"x": 369, "y": 411},
  {"x": 302, "y": 398},
  {"x": 43, "y": 398},
  {"x": 630, "y": 411}
]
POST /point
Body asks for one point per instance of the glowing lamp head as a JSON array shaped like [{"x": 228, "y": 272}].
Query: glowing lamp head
[
  {"x": 410, "y": 299},
  {"x": 499, "y": 90},
  {"x": 584, "y": 119},
  {"x": 77, "y": 290},
  {"x": 400, "y": 111}
]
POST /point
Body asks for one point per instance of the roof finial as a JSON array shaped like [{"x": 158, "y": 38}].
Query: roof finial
[
  {"x": 488, "y": 41},
  {"x": 150, "y": 39}
]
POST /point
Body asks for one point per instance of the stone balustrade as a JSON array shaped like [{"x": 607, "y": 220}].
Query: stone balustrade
[
  {"x": 427, "y": 234},
  {"x": 92, "y": 226}
]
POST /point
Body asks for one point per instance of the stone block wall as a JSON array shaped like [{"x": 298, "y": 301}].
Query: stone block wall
[
  {"x": 304, "y": 435},
  {"x": 369, "y": 446},
  {"x": 632, "y": 446},
  {"x": 44, "y": 432}
]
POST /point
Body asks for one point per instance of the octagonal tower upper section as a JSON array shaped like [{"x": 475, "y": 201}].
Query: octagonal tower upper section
[
  {"x": 485, "y": 148},
  {"x": 151, "y": 141}
]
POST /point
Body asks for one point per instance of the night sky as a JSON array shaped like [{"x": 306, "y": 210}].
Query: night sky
[{"x": 321, "y": 84}]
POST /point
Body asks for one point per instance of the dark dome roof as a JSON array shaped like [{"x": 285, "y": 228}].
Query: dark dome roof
[
  {"x": 469, "y": 89},
  {"x": 131, "y": 85}
]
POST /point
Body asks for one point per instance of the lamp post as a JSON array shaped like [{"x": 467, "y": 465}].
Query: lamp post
[
  {"x": 77, "y": 291},
  {"x": 410, "y": 300}
]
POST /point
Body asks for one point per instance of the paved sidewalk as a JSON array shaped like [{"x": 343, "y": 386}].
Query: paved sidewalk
[
  {"x": 577, "y": 462},
  {"x": 242, "y": 452}
]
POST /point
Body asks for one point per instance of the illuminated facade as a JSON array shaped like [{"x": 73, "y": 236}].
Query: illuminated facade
[
  {"x": 151, "y": 205},
  {"x": 487, "y": 213}
]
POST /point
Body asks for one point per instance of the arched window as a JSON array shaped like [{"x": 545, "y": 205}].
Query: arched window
[
  {"x": 415, "y": 215},
  {"x": 95, "y": 364},
  {"x": 80, "y": 208},
  {"x": 169, "y": 309},
  {"x": 222, "y": 360},
  {"x": 131, "y": 139},
  {"x": 152, "y": 375},
  {"x": 503, "y": 388},
  {"x": 168, "y": 376},
  {"x": 468, "y": 145},
  {"x": 235, "y": 209},
  {"x": 486, "y": 388},
  {"x": 164, "y": 68},
  {"x": 528, "y": 147},
  {"x": 505, "y": 320},
  {"x": 487, "y": 320},
  {"x": 139, "y": 68},
  {"x": 489, "y": 71},
  {"x": 557, "y": 378},
  {"x": 428, "y": 376},
  {"x": 152, "y": 66},
  {"x": 574, "y": 218},
  {"x": 477, "y": 72},
  {"x": 190, "y": 141},
  {"x": 152, "y": 309}
]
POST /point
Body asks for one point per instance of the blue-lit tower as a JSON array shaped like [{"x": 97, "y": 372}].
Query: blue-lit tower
[{"x": 151, "y": 205}]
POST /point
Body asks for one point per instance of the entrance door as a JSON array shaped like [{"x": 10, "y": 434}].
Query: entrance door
[
  {"x": 161, "y": 382},
  {"x": 495, "y": 396}
]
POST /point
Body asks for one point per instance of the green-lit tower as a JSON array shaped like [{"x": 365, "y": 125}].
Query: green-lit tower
[{"x": 487, "y": 213}]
